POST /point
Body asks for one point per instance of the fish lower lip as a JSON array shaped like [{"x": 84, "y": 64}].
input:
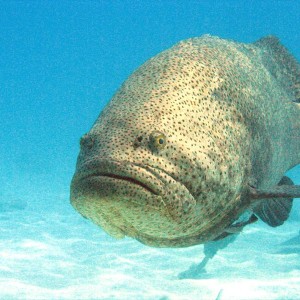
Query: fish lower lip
[{"x": 125, "y": 178}]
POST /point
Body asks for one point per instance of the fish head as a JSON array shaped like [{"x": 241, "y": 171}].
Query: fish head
[{"x": 151, "y": 168}]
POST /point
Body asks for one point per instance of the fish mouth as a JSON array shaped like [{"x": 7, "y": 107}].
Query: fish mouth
[
  {"x": 123, "y": 171},
  {"x": 130, "y": 180},
  {"x": 155, "y": 181}
]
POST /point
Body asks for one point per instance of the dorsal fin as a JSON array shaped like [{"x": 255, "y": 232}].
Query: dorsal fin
[{"x": 281, "y": 64}]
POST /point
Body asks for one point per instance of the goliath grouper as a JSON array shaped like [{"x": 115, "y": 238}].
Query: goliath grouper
[{"x": 197, "y": 135}]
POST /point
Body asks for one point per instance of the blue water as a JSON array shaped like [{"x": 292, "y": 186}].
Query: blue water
[{"x": 59, "y": 65}]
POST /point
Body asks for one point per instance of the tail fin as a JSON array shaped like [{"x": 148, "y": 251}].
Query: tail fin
[{"x": 281, "y": 64}]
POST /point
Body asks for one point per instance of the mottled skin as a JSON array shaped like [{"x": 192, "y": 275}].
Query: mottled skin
[{"x": 170, "y": 159}]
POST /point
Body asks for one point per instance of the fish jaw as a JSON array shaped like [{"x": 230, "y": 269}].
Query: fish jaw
[{"x": 131, "y": 199}]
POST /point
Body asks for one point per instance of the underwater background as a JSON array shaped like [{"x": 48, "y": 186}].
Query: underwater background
[{"x": 60, "y": 64}]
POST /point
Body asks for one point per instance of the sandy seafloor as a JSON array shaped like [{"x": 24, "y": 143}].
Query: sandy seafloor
[{"x": 51, "y": 252}]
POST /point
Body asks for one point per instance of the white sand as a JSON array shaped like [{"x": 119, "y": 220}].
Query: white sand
[{"x": 50, "y": 252}]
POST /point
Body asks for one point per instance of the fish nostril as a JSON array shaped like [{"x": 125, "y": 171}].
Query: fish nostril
[
  {"x": 137, "y": 142},
  {"x": 87, "y": 142}
]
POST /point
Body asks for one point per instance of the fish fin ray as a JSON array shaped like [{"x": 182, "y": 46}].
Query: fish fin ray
[{"x": 275, "y": 210}]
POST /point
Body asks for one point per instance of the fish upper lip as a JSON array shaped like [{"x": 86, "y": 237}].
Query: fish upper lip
[
  {"x": 135, "y": 173},
  {"x": 126, "y": 178}
]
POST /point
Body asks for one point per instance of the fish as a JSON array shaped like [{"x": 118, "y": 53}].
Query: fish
[{"x": 195, "y": 137}]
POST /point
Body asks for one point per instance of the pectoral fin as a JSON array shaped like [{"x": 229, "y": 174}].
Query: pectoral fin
[
  {"x": 274, "y": 212},
  {"x": 273, "y": 205},
  {"x": 284, "y": 189}
]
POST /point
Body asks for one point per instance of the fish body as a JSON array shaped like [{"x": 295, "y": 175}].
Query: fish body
[{"x": 172, "y": 158}]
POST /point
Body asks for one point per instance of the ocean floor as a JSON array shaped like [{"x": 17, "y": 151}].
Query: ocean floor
[{"x": 51, "y": 252}]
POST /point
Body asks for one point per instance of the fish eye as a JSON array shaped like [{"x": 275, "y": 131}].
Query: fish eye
[{"x": 157, "y": 140}]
